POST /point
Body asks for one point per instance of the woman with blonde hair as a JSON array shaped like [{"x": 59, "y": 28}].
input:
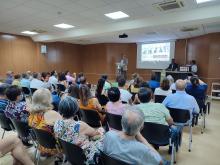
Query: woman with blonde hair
[{"x": 42, "y": 116}]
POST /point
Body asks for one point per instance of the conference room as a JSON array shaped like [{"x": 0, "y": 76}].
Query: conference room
[{"x": 109, "y": 82}]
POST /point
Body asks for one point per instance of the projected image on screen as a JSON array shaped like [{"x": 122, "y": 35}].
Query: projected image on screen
[
  {"x": 155, "y": 55},
  {"x": 155, "y": 52}
]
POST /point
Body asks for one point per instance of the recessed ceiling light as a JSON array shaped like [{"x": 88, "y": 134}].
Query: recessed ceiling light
[
  {"x": 64, "y": 26},
  {"x": 29, "y": 32},
  {"x": 117, "y": 15},
  {"x": 203, "y": 1}
]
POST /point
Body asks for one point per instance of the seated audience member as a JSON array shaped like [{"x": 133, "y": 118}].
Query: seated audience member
[
  {"x": 164, "y": 88},
  {"x": 30, "y": 75},
  {"x": 126, "y": 96},
  {"x": 78, "y": 77},
  {"x": 25, "y": 82},
  {"x": 42, "y": 116},
  {"x": 16, "y": 108},
  {"x": 16, "y": 80},
  {"x": 181, "y": 99},
  {"x": 172, "y": 83},
  {"x": 82, "y": 81},
  {"x": 45, "y": 78},
  {"x": 73, "y": 91},
  {"x": 144, "y": 85},
  {"x": 88, "y": 102},
  {"x": 77, "y": 132},
  {"x": 69, "y": 78},
  {"x": 107, "y": 84},
  {"x": 124, "y": 145},
  {"x": 3, "y": 99},
  {"x": 115, "y": 105},
  {"x": 9, "y": 77},
  {"x": 153, "y": 112},
  {"x": 18, "y": 152},
  {"x": 134, "y": 88},
  {"x": 101, "y": 93},
  {"x": 133, "y": 77},
  {"x": 197, "y": 89},
  {"x": 55, "y": 99},
  {"x": 62, "y": 80},
  {"x": 53, "y": 78},
  {"x": 156, "y": 112},
  {"x": 153, "y": 83},
  {"x": 36, "y": 83}
]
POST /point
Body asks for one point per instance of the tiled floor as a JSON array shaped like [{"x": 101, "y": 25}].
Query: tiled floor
[{"x": 205, "y": 147}]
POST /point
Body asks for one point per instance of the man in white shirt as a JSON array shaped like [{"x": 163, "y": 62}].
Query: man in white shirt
[
  {"x": 194, "y": 67},
  {"x": 126, "y": 96},
  {"x": 36, "y": 83}
]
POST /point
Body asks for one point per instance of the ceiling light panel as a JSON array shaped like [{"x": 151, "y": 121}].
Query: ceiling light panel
[
  {"x": 64, "y": 26},
  {"x": 117, "y": 15},
  {"x": 203, "y": 1},
  {"x": 29, "y": 32}
]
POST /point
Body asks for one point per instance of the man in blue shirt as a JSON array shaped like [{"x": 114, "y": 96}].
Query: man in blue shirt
[
  {"x": 153, "y": 84},
  {"x": 25, "y": 82},
  {"x": 181, "y": 100}
]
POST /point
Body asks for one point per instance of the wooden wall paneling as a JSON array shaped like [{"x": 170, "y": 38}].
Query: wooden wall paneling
[
  {"x": 180, "y": 54},
  {"x": 198, "y": 49},
  {"x": 6, "y": 62}
]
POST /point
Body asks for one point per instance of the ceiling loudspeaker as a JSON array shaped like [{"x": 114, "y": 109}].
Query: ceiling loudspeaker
[
  {"x": 123, "y": 35},
  {"x": 43, "y": 49},
  {"x": 168, "y": 5}
]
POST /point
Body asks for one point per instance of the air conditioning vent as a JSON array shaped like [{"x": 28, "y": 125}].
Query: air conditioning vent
[
  {"x": 168, "y": 5},
  {"x": 189, "y": 29}
]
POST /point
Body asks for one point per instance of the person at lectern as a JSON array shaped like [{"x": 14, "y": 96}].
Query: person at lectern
[
  {"x": 124, "y": 66},
  {"x": 173, "y": 66}
]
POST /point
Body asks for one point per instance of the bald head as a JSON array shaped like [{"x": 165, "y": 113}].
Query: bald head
[
  {"x": 132, "y": 121},
  {"x": 180, "y": 85}
]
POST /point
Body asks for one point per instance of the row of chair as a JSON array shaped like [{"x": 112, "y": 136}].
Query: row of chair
[{"x": 73, "y": 153}]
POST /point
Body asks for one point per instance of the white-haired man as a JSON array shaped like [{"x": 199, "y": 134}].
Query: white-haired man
[{"x": 128, "y": 145}]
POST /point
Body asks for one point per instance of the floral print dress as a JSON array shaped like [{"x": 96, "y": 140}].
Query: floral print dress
[{"x": 68, "y": 130}]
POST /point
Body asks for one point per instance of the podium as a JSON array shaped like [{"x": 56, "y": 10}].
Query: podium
[{"x": 118, "y": 68}]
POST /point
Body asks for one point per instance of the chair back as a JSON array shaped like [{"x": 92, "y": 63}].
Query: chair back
[
  {"x": 157, "y": 134},
  {"x": 91, "y": 117},
  {"x": 26, "y": 90},
  {"x": 5, "y": 122},
  {"x": 33, "y": 90},
  {"x": 159, "y": 98},
  {"x": 104, "y": 159},
  {"x": 22, "y": 128},
  {"x": 114, "y": 121},
  {"x": 45, "y": 138},
  {"x": 74, "y": 154},
  {"x": 61, "y": 87},
  {"x": 179, "y": 115}
]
